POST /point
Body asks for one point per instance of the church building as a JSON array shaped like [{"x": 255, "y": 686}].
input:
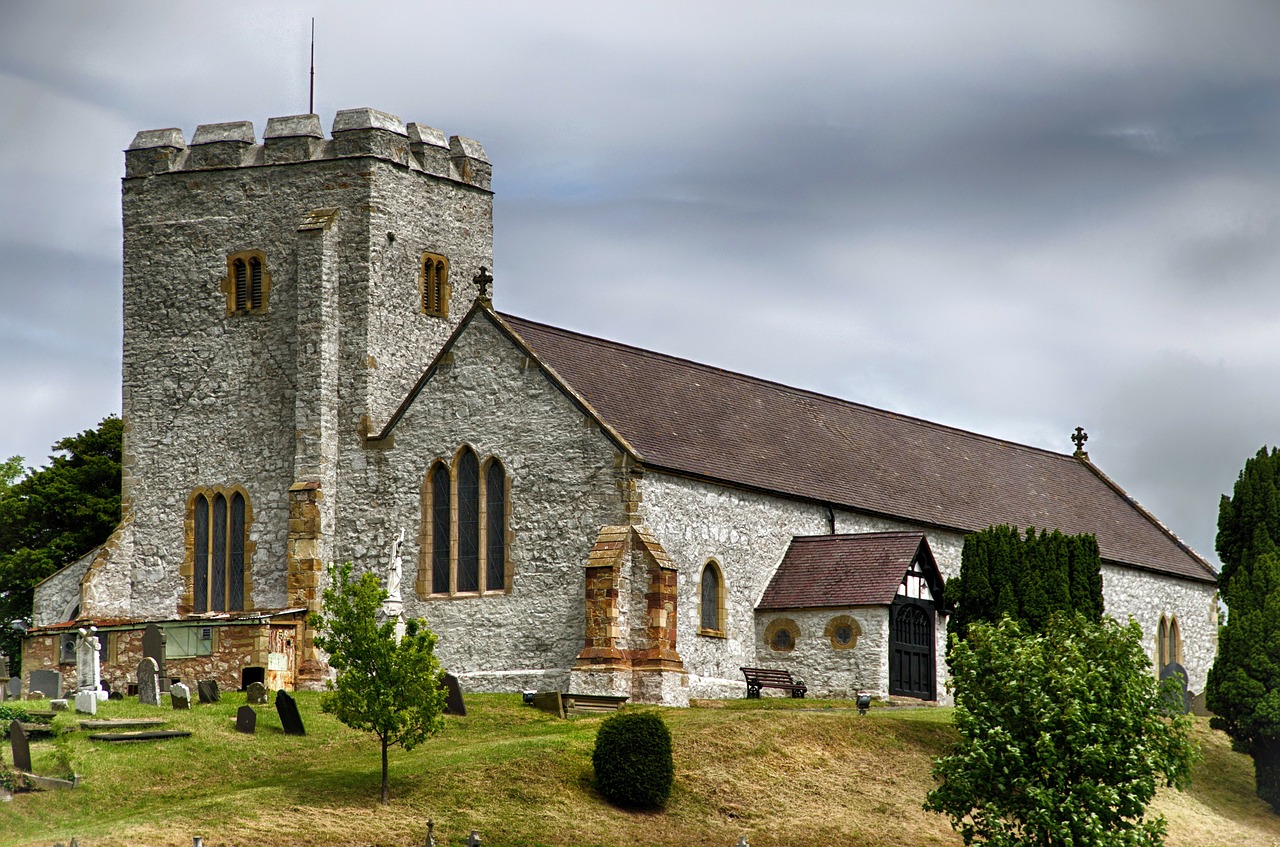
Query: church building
[{"x": 314, "y": 369}]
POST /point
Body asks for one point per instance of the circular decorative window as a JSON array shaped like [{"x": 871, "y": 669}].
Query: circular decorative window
[
  {"x": 781, "y": 635},
  {"x": 843, "y": 632}
]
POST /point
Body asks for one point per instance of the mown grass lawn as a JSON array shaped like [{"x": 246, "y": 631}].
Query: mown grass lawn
[{"x": 780, "y": 772}]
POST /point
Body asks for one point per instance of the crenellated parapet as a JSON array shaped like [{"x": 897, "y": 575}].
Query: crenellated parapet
[{"x": 299, "y": 138}]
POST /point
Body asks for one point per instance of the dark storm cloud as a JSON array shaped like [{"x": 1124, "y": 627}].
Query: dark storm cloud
[{"x": 1009, "y": 217}]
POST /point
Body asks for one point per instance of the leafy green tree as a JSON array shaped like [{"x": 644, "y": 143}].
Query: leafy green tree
[
  {"x": 1027, "y": 578},
  {"x": 54, "y": 515},
  {"x": 11, "y": 470},
  {"x": 1064, "y": 737},
  {"x": 392, "y": 688},
  {"x": 1243, "y": 689}
]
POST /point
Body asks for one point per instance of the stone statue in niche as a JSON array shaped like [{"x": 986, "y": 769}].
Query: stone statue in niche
[{"x": 396, "y": 571}]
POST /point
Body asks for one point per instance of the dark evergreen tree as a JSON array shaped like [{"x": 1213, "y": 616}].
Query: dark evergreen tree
[
  {"x": 1027, "y": 578},
  {"x": 1249, "y": 520},
  {"x": 1243, "y": 689},
  {"x": 54, "y": 515}
]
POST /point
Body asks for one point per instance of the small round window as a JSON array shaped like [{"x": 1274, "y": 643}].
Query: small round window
[
  {"x": 843, "y": 632},
  {"x": 781, "y": 635}
]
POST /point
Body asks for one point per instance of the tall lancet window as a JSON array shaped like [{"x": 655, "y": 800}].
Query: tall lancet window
[
  {"x": 219, "y": 550},
  {"x": 464, "y": 527}
]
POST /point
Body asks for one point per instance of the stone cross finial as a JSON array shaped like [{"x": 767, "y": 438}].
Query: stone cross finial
[
  {"x": 484, "y": 282},
  {"x": 473, "y": 840},
  {"x": 1079, "y": 437},
  {"x": 431, "y": 838}
]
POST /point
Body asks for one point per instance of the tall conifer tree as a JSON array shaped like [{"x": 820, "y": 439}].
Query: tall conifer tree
[
  {"x": 1027, "y": 578},
  {"x": 1243, "y": 689}
]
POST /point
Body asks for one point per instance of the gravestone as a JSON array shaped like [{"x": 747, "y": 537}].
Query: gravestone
[
  {"x": 1177, "y": 700},
  {"x": 256, "y": 694},
  {"x": 87, "y": 702},
  {"x": 246, "y": 720},
  {"x": 57, "y": 705},
  {"x": 48, "y": 683},
  {"x": 148, "y": 682},
  {"x": 453, "y": 704},
  {"x": 208, "y": 691},
  {"x": 287, "y": 709},
  {"x": 13, "y": 688},
  {"x": 180, "y": 696},
  {"x": 21, "y": 749},
  {"x": 88, "y": 663},
  {"x": 153, "y": 641},
  {"x": 115, "y": 695}
]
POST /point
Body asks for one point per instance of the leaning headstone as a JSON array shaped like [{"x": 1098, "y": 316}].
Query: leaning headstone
[
  {"x": 153, "y": 641},
  {"x": 1177, "y": 699},
  {"x": 14, "y": 688},
  {"x": 246, "y": 720},
  {"x": 21, "y": 749},
  {"x": 256, "y": 694},
  {"x": 148, "y": 682},
  {"x": 48, "y": 683},
  {"x": 453, "y": 704},
  {"x": 287, "y": 709},
  {"x": 180, "y": 696},
  {"x": 87, "y": 702},
  {"x": 208, "y": 691}
]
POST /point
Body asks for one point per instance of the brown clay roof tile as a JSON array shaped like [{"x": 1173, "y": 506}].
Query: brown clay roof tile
[{"x": 702, "y": 421}]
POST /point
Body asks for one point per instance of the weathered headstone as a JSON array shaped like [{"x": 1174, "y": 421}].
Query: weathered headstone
[
  {"x": 246, "y": 720},
  {"x": 21, "y": 749},
  {"x": 208, "y": 691},
  {"x": 87, "y": 702},
  {"x": 453, "y": 704},
  {"x": 115, "y": 695},
  {"x": 148, "y": 682},
  {"x": 88, "y": 671},
  {"x": 48, "y": 683},
  {"x": 180, "y": 696},
  {"x": 57, "y": 705},
  {"x": 153, "y": 641},
  {"x": 287, "y": 709},
  {"x": 256, "y": 694},
  {"x": 1177, "y": 700},
  {"x": 14, "y": 688}
]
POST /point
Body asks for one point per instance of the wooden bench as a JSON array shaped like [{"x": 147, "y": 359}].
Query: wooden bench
[{"x": 758, "y": 678}]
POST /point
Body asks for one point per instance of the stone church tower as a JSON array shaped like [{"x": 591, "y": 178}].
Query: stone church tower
[{"x": 280, "y": 300}]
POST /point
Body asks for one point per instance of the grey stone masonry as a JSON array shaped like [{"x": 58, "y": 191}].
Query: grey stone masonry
[{"x": 261, "y": 399}]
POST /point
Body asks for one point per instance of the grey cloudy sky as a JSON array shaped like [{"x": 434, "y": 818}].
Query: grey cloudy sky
[{"x": 1008, "y": 217}]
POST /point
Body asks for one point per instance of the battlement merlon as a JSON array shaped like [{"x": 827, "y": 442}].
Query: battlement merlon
[{"x": 299, "y": 138}]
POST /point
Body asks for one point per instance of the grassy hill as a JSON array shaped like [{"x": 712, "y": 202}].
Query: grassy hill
[{"x": 780, "y": 772}]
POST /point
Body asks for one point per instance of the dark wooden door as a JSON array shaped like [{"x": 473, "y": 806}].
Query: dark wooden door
[{"x": 911, "y": 650}]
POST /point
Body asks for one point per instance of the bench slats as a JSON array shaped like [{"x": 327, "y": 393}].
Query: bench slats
[{"x": 758, "y": 678}]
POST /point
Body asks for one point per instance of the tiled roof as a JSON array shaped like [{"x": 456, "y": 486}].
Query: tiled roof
[
  {"x": 698, "y": 420},
  {"x": 819, "y": 571}
]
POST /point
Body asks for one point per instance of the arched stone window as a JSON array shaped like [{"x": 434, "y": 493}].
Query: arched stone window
[
  {"x": 433, "y": 283},
  {"x": 247, "y": 282},
  {"x": 1168, "y": 642},
  {"x": 464, "y": 527},
  {"x": 711, "y": 600},
  {"x": 219, "y": 551}
]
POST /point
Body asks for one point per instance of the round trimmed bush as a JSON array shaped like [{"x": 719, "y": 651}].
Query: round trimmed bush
[{"x": 633, "y": 761}]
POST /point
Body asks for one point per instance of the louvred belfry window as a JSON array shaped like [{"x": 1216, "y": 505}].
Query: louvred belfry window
[
  {"x": 433, "y": 280},
  {"x": 219, "y": 547},
  {"x": 247, "y": 283},
  {"x": 464, "y": 527}
]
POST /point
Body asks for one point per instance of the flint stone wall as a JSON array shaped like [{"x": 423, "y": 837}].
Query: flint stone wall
[
  {"x": 826, "y": 670},
  {"x": 563, "y": 477}
]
